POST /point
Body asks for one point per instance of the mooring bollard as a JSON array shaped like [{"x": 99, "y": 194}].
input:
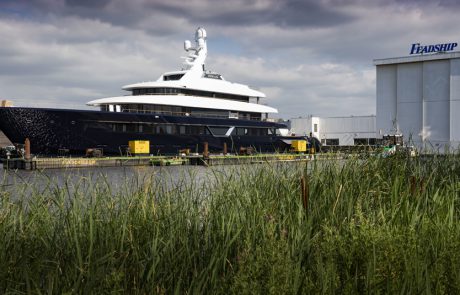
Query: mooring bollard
[
  {"x": 205, "y": 150},
  {"x": 27, "y": 149},
  {"x": 225, "y": 148}
]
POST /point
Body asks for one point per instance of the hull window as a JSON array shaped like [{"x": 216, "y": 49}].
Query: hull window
[
  {"x": 148, "y": 128},
  {"x": 218, "y": 130},
  {"x": 258, "y": 131},
  {"x": 241, "y": 131},
  {"x": 252, "y": 131},
  {"x": 165, "y": 129},
  {"x": 130, "y": 128}
]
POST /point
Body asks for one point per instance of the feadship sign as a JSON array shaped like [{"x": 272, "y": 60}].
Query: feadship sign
[{"x": 421, "y": 49}]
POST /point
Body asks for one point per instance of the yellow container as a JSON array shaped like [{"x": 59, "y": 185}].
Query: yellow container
[
  {"x": 299, "y": 146},
  {"x": 138, "y": 147},
  {"x": 6, "y": 103}
]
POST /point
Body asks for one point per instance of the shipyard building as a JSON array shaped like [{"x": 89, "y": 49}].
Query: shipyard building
[
  {"x": 335, "y": 131},
  {"x": 419, "y": 97}
]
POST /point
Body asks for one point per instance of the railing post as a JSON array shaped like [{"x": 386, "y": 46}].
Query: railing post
[{"x": 225, "y": 148}]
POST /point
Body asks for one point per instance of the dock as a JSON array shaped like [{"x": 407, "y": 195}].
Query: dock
[{"x": 196, "y": 160}]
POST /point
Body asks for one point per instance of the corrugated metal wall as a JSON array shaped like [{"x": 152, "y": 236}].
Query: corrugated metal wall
[
  {"x": 386, "y": 102},
  {"x": 409, "y": 111},
  {"x": 346, "y": 129},
  {"x": 436, "y": 97},
  {"x": 455, "y": 102},
  {"x": 301, "y": 126},
  {"x": 425, "y": 96}
]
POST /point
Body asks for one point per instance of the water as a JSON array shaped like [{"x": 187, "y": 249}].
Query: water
[
  {"x": 24, "y": 182},
  {"x": 125, "y": 180}
]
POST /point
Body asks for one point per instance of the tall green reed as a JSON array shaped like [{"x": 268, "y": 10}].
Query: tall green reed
[{"x": 372, "y": 225}]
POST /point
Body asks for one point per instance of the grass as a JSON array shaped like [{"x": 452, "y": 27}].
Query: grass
[{"x": 372, "y": 226}]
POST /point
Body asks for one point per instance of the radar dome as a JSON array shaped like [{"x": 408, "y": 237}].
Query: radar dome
[{"x": 200, "y": 33}]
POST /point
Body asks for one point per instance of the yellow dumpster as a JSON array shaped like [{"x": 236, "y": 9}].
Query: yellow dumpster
[
  {"x": 299, "y": 146},
  {"x": 139, "y": 147}
]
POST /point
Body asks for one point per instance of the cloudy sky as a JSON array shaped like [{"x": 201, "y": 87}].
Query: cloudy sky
[{"x": 309, "y": 57}]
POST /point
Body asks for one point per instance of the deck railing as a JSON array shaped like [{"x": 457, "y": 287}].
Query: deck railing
[{"x": 192, "y": 114}]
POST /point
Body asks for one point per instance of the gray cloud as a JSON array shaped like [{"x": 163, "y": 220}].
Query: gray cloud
[
  {"x": 292, "y": 13},
  {"x": 310, "y": 57}
]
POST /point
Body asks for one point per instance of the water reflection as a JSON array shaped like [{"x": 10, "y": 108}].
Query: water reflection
[{"x": 124, "y": 180}]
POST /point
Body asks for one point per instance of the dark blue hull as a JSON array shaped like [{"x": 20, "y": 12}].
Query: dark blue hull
[{"x": 52, "y": 130}]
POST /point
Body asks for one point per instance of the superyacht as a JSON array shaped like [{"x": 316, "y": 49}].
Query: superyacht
[{"x": 181, "y": 110}]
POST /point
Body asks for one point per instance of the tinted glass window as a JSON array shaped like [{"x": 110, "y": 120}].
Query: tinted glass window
[
  {"x": 173, "y": 77},
  {"x": 218, "y": 130}
]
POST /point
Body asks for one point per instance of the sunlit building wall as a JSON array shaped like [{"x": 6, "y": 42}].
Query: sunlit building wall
[{"x": 419, "y": 97}]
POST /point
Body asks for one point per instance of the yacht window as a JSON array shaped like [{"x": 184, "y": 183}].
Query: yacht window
[
  {"x": 117, "y": 127},
  {"x": 159, "y": 129},
  {"x": 218, "y": 130},
  {"x": 241, "y": 131},
  {"x": 255, "y": 116},
  {"x": 130, "y": 127},
  {"x": 173, "y": 77},
  {"x": 170, "y": 90},
  {"x": 148, "y": 128},
  {"x": 258, "y": 131},
  {"x": 197, "y": 130},
  {"x": 99, "y": 125}
]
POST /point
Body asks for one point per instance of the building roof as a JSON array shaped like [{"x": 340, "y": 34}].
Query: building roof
[{"x": 416, "y": 58}]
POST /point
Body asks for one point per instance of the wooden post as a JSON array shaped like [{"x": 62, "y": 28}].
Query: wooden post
[
  {"x": 205, "y": 150},
  {"x": 225, "y": 148},
  {"x": 27, "y": 149},
  {"x": 413, "y": 184},
  {"x": 305, "y": 190},
  {"x": 422, "y": 185}
]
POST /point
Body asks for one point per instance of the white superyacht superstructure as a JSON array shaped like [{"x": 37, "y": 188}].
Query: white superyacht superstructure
[{"x": 192, "y": 90}]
